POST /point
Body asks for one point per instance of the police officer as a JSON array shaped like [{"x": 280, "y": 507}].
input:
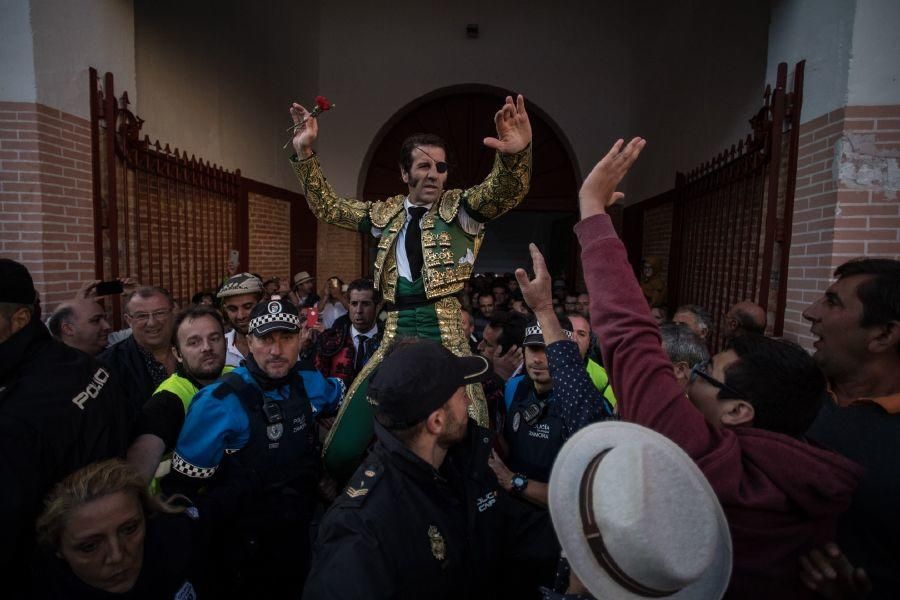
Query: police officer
[
  {"x": 59, "y": 410},
  {"x": 259, "y": 418},
  {"x": 423, "y": 516},
  {"x": 544, "y": 407}
]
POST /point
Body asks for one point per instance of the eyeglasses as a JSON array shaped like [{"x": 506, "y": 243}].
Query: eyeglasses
[
  {"x": 157, "y": 315},
  {"x": 701, "y": 370}
]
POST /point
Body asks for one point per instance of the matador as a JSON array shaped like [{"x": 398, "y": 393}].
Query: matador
[{"x": 428, "y": 240}]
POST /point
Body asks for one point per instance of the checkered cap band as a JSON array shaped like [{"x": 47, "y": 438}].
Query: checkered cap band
[
  {"x": 189, "y": 470},
  {"x": 288, "y": 318},
  {"x": 536, "y": 330}
]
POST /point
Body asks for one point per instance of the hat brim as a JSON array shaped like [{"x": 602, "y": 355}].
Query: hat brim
[
  {"x": 473, "y": 368},
  {"x": 534, "y": 340},
  {"x": 267, "y": 328},
  {"x": 565, "y": 480}
]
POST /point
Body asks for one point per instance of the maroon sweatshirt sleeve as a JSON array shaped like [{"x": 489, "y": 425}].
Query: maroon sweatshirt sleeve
[{"x": 646, "y": 389}]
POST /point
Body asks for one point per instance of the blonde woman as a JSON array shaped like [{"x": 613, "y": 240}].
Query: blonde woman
[{"x": 104, "y": 534}]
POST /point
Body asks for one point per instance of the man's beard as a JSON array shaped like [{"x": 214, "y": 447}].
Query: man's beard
[
  {"x": 455, "y": 433},
  {"x": 206, "y": 374}
]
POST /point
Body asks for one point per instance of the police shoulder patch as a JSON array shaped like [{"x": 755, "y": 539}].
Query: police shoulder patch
[{"x": 361, "y": 484}]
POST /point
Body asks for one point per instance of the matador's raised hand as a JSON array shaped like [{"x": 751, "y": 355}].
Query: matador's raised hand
[
  {"x": 513, "y": 127},
  {"x": 307, "y": 133}
]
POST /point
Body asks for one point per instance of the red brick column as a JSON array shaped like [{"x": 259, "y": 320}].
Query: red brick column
[
  {"x": 270, "y": 237},
  {"x": 46, "y": 210},
  {"x": 846, "y": 203}
]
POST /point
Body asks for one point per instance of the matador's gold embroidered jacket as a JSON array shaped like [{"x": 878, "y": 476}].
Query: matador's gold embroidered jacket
[{"x": 448, "y": 250}]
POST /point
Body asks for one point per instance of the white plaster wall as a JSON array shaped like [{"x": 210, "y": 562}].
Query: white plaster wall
[
  {"x": 217, "y": 78},
  {"x": 564, "y": 57},
  {"x": 17, "y": 83},
  {"x": 699, "y": 69},
  {"x": 875, "y": 58},
  {"x": 821, "y": 32},
  {"x": 70, "y": 37}
]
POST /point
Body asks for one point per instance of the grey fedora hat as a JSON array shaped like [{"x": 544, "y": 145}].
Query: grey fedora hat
[{"x": 636, "y": 517}]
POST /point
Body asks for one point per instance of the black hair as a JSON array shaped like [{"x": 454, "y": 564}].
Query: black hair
[
  {"x": 364, "y": 285},
  {"x": 199, "y": 296},
  {"x": 512, "y": 329},
  {"x": 880, "y": 295},
  {"x": 192, "y": 312},
  {"x": 414, "y": 141},
  {"x": 781, "y": 381}
]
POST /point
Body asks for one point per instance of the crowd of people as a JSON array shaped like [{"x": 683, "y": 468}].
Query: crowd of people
[{"x": 439, "y": 433}]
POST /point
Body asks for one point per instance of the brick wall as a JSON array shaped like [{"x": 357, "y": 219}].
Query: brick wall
[
  {"x": 338, "y": 253},
  {"x": 846, "y": 202},
  {"x": 46, "y": 210},
  {"x": 270, "y": 237},
  {"x": 658, "y": 235}
]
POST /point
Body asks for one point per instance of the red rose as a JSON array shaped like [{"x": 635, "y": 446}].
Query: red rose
[{"x": 323, "y": 103}]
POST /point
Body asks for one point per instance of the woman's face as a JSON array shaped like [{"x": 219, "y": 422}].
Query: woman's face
[{"x": 103, "y": 542}]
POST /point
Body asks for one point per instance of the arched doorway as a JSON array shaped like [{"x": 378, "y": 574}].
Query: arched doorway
[{"x": 463, "y": 116}]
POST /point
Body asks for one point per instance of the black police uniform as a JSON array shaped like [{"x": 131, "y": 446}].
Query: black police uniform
[
  {"x": 533, "y": 432},
  {"x": 59, "y": 411},
  {"x": 266, "y": 548},
  {"x": 402, "y": 529}
]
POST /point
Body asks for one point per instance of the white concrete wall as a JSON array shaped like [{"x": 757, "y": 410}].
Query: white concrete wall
[
  {"x": 875, "y": 57},
  {"x": 17, "y": 83},
  {"x": 70, "y": 37},
  {"x": 561, "y": 56},
  {"x": 820, "y": 32},
  {"x": 699, "y": 69},
  {"x": 217, "y": 78}
]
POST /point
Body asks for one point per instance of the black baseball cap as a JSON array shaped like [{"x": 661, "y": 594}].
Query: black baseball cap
[
  {"x": 417, "y": 378},
  {"x": 275, "y": 315},
  {"x": 16, "y": 284}
]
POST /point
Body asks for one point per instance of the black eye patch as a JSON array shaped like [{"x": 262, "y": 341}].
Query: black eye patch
[{"x": 441, "y": 166}]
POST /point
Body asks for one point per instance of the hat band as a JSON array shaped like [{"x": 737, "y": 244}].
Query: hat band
[
  {"x": 595, "y": 538},
  {"x": 286, "y": 318}
]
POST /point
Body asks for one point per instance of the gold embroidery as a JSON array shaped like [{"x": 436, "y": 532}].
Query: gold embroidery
[
  {"x": 443, "y": 238},
  {"x": 428, "y": 222},
  {"x": 382, "y": 212},
  {"x": 323, "y": 201},
  {"x": 504, "y": 188},
  {"x": 434, "y": 258},
  {"x": 429, "y": 240},
  {"x": 438, "y": 547},
  {"x": 454, "y": 339},
  {"x": 449, "y": 205}
]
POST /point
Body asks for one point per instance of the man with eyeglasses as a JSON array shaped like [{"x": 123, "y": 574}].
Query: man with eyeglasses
[
  {"x": 144, "y": 360},
  {"x": 742, "y": 418}
]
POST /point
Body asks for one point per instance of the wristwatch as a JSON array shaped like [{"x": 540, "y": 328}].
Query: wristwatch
[{"x": 519, "y": 482}]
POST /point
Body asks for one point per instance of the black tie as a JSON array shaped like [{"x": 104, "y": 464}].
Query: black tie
[
  {"x": 360, "y": 359},
  {"x": 414, "y": 242}
]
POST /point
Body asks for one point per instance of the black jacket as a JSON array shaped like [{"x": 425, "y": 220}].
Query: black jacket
[
  {"x": 126, "y": 362},
  {"x": 59, "y": 411},
  {"x": 401, "y": 529},
  {"x": 174, "y": 566}
]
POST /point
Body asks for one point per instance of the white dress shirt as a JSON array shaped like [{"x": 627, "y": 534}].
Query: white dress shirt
[{"x": 469, "y": 225}]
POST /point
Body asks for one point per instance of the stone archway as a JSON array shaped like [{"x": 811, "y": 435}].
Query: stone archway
[{"x": 463, "y": 116}]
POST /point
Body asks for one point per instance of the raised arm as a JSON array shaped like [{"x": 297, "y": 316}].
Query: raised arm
[
  {"x": 323, "y": 201},
  {"x": 578, "y": 401},
  {"x": 507, "y": 183},
  {"x": 646, "y": 389}
]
